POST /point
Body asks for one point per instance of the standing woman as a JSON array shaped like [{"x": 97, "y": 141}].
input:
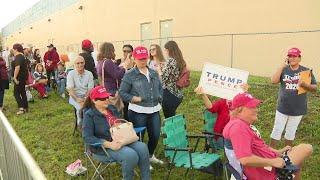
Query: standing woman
[
  {"x": 141, "y": 88},
  {"x": 20, "y": 75},
  {"x": 291, "y": 105},
  {"x": 37, "y": 56},
  {"x": 127, "y": 54},
  {"x": 157, "y": 61},
  {"x": 172, "y": 95},
  {"x": 4, "y": 80}
]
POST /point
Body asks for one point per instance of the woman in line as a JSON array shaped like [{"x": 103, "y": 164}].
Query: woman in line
[
  {"x": 172, "y": 94},
  {"x": 99, "y": 115},
  {"x": 4, "y": 80},
  {"x": 141, "y": 88},
  {"x": 157, "y": 61},
  {"x": 291, "y": 105}
]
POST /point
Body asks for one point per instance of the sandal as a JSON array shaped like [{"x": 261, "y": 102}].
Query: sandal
[{"x": 21, "y": 111}]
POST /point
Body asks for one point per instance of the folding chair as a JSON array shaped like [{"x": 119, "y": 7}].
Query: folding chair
[
  {"x": 211, "y": 142},
  {"x": 101, "y": 167},
  {"x": 177, "y": 147}
]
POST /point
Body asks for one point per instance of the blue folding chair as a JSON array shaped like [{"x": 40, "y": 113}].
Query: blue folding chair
[{"x": 102, "y": 166}]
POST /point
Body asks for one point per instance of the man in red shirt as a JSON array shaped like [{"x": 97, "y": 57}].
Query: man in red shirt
[
  {"x": 251, "y": 150},
  {"x": 51, "y": 60}
]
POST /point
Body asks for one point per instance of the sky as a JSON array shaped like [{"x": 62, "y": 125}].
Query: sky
[{"x": 10, "y": 9}]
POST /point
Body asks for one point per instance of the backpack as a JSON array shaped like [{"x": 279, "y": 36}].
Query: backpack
[{"x": 184, "y": 78}]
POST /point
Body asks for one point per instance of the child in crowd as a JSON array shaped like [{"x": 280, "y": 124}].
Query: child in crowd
[
  {"x": 222, "y": 108},
  {"x": 40, "y": 80},
  {"x": 61, "y": 79}
]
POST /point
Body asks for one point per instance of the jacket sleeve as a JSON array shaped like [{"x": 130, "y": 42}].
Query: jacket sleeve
[
  {"x": 88, "y": 130},
  {"x": 113, "y": 70},
  {"x": 55, "y": 58},
  {"x": 125, "y": 88}
]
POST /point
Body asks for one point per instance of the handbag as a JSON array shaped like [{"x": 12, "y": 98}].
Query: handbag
[
  {"x": 122, "y": 131},
  {"x": 116, "y": 99}
]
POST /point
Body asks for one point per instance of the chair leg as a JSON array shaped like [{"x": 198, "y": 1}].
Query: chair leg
[
  {"x": 187, "y": 171},
  {"x": 75, "y": 122},
  {"x": 226, "y": 172},
  {"x": 169, "y": 172}
]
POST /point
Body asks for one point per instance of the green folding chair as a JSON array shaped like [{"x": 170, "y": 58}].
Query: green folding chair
[
  {"x": 210, "y": 142},
  {"x": 177, "y": 147}
]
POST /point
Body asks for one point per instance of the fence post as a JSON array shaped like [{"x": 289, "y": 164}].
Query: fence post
[
  {"x": 3, "y": 159},
  {"x": 231, "y": 52}
]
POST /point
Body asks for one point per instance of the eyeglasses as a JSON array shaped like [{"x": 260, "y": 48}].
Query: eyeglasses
[
  {"x": 80, "y": 63},
  {"x": 153, "y": 49},
  {"x": 292, "y": 56},
  {"x": 102, "y": 99},
  {"x": 126, "y": 51}
]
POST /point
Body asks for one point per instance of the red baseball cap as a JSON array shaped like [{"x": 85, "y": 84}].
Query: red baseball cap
[
  {"x": 294, "y": 52},
  {"x": 140, "y": 52},
  {"x": 87, "y": 44},
  {"x": 246, "y": 100},
  {"x": 99, "y": 92}
]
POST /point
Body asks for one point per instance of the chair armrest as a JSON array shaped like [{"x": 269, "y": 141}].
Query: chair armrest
[
  {"x": 210, "y": 133},
  {"x": 177, "y": 149},
  {"x": 197, "y": 136}
]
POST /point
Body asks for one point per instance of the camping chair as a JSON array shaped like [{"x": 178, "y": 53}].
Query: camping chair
[
  {"x": 177, "y": 147},
  {"x": 101, "y": 167},
  {"x": 235, "y": 168},
  {"x": 210, "y": 141}
]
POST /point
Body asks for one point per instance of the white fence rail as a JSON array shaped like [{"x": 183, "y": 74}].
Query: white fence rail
[{"x": 16, "y": 163}]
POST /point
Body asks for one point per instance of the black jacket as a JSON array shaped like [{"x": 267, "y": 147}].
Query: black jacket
[{"x": 89, "y": 63}]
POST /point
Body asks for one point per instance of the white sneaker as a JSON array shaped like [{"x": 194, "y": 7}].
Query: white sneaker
[
  {"x": 63, "y": 95},
  {"x": 151, "y": 168},
  {"x": 153, "y": 159}
]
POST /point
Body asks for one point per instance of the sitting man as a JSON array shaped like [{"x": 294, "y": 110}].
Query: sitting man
[
  {"x": 258, "y": 159},
  {"x": 79, "y": 83}
]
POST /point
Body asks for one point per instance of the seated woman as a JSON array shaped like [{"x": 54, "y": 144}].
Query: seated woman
[
  {"x": 99, "y": 113},
  {"x": 250, "y": 149},
  {"x": 40, "y": 80}
]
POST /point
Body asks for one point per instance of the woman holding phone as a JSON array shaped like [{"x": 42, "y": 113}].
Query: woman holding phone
[{"x": 291, "y": 105}]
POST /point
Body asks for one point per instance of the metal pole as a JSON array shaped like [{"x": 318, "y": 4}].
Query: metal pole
[{"x": 231, "y": 53}]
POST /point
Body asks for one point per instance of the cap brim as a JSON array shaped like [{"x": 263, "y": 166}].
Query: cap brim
[{"x": 253, "y": 103}]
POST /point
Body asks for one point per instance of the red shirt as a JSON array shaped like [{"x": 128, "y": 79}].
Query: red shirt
[
  {"x": 222, "y": 109},
  {"x": 246, "y": 143}
]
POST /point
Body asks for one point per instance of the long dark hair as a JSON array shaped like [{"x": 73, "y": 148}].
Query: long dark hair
[
  {"x": 88, "y": 103},
  {"x": 35, "y": 54},
  {"x": 107, "y": 50},
  {"x": 175, "y": 53}
]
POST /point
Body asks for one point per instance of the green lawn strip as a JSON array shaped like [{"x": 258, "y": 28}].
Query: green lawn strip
[{"x": 47, "y": 130}]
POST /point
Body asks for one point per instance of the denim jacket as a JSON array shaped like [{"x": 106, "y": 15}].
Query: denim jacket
[
  {"x": 95, "y": 128},
  {"x": 135, "y": 83}
]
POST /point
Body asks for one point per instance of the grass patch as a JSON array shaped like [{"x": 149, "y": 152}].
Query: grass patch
[{"x": 47, "y": 130}]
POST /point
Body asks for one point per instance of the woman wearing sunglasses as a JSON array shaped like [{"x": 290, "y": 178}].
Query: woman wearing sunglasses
[
  {"x": 141, "y": 88},
  {"x": 127, "y": 55},
  {"x": 157, "y": 61},
  {"x": 99, "y": 115},
  {"x": 291, "y": 105}
]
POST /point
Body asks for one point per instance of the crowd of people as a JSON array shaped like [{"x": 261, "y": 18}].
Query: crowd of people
[{"x": 140, "y": 84}]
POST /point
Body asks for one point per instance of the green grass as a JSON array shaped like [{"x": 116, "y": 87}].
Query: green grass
[{"x": 47, "y": 130}]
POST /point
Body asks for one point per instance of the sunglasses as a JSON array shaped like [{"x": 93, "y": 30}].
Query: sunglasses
[
  {"x": 101, "y": 99},
  {"x": 126, "y": 51},
  {"x": 153, "y": 49},
  {"x": 80, "y": 63}
]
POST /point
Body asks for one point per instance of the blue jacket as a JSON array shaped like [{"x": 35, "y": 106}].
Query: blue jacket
[
  {"x": 135, "y": 83},
  {"x": 96, "y": 128}
]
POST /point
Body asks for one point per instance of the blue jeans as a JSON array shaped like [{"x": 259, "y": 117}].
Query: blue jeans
[
  {"x": 129, "y": 157},
  {"x": 170, "y": 103},
  {"x": 61, "y": 86},
  {"x": 153, "y": 124}
]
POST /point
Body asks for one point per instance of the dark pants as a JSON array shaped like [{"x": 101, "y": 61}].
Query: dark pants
[
  {"x": 20, "y": 95},
  {"x": 170, "y": 103},
  {"x": 51, "y": 77},
  {"x": 153, "y": 124},
  {"x": 125, "y": 111},
  {"x": 1, "y": 96}
]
